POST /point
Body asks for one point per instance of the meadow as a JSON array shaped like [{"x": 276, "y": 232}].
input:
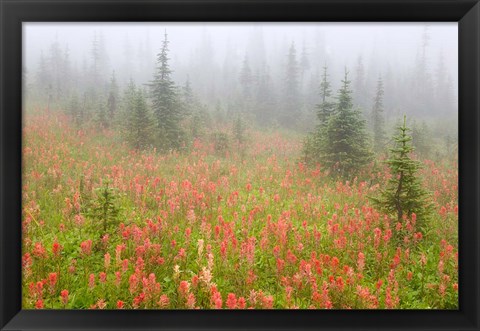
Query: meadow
[{"x": 251, "y": 227}]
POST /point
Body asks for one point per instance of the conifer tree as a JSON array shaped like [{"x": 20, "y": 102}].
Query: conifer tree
[
  {"x": 101, "y": 116},
  {"x": 378, "y": 121},
  {"x": 312, "y": 142},
  {"x": 138, "y": 123},
  {"x": 291, "y": 112},
  {"x": 344, "y": 144},
  {"x": 246, "y": 80},
  {"x": 403, "y": 194},
  {"x": 112, "y": 97},
  {"x": 239, "y": 129},
  {"x": 326, "y": 107},
  {"x": 74, "y": 110},
  {"x": 188, "y": 98},
  {"x": 165, "y": 103}
]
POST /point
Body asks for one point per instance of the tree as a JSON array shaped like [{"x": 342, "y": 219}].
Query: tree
[
  {"x": 165, "y": 103},
  {"x": 75, "y": 111},
  {"x": 403, "y": 193},
  {"x": 246, "y": 81},
  {"x": 112, "y": 97},
  {"x": 326, "y": 107},
  {"x": 101, "y": 117},
  {"x": 312, "y": 142},
  {"x": 344, "y": 144},
  {"x": 264, "y": 96},
  {"x": 378, "y": 121},
  {"x": 138, "y": 123},
  {"x": 360, "y": 96},
  {"x": 104, "y": 207},
  {"x": 239, "y": 129},
  {"x": 291, "y": 104}
]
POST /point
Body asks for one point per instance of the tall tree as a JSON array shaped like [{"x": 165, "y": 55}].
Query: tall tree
[
  {"x": 360, "y": 95},
  {"x": 112, "y": 97},
  {"x": 344, "y": 146},
  {"x": 326, "y": 107},
  {"x": 291, "y": 102},
  {"x": 138, "y": 124},
  {"x": 378, "y": 120},
  {"x": 403, "y": 193},
  {"x": 246, "y": 80},
  {"x": 165, "y": 104}
]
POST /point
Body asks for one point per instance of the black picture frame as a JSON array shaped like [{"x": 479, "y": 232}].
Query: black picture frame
[{"x": 14, "y": 12}]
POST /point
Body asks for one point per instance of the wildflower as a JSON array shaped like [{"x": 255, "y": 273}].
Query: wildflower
[
  {"x": 39, "y": 304},
  {"x": 120, "y": 304},
  {"x": 52, "y": 278},
  {"x": 86, "y": 247},
  {"x": 361, "y": 261},
  {"x": 184, "y": 288},
  {"x": 164, "y": 301},
  {"x": 231, "y": 301},
  {"x": 241, "y": 303},
  {"x": 39, "y": 251},
  {"x": 107, "y": 260},
  {"x": 102, "y": 277},
  {"x": 56, "y": 249},
  {"x": 64, "y": 296},
  {"x": 91, "y": 281},
  {"x": 191, "y": 301}
]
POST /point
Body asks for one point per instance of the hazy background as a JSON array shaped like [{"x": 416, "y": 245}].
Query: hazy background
[{"x": 418, "y": 62}]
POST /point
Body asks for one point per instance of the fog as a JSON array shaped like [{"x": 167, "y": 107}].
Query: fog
[{"x": 417, "y": 61}]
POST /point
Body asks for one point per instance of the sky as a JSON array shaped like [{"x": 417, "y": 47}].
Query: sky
[{"x": 395, "y": 43}]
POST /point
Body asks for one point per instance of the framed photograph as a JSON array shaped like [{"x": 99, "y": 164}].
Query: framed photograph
[{"x": 240, "y": 165}]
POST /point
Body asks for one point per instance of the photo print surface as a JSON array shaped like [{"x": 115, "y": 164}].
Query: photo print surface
[{"x": 240, "y": 166}]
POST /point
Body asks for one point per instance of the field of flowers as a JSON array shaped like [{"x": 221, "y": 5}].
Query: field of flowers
[{"x": 249, "y": 229}]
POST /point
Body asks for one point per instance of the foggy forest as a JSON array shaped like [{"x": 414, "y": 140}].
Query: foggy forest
[{"x": 240, "y": 166}]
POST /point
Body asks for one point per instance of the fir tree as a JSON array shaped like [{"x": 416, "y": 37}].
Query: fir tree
[
  {"x": 139, "y": 127},
  {"x": 344, "y": 143},
  {"x": 104, "y": 207},
  {"x": 378, "y": 121},
  {"x": 326, "y": 107},
  {"x": 312, "y": 142},
  {"x": 291, "y": 104},
  {"x": 166, "y": 107},
  {"x": 112, "y": 97},
  {"x": 75, "y": 111},
  {"x": 246, "y": 81},
  {"x": 239, "y": 129},
  {"x": 101, "y": 116},
  {"x": 403, "y": 194},
  {"x": 188, "y": 98}
]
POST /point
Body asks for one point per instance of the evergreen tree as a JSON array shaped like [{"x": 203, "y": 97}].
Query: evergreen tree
[
  {"x": 403, "y": 194},
  {"x": 291, "y": 101},
  {"x": 312, "y": 142},
  {"x": 264, "y": 97},
  {"x": 165, "y": 103},
  {"x": 239, "y": 129},
  {"x": 326, "y": 107},
  {"x": 360, "y": 96},
  {"x": 246, "y": 81},
  {"x": 104, "y": 207},
  {"x": 112, "y": 96},
  {"x": 421, "y": 138},
  {"x": 189, "y": 101},
  {"x": 74, "y": 110},
  {"x": 344, "y": 143},
  {"x": 138, "y": 123},
  {"x": 378, "y": 121},
  {"x": 101, "y": 115}
]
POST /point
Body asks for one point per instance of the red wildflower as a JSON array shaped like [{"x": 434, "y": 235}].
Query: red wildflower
[{"x": 64, "y": 295}]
